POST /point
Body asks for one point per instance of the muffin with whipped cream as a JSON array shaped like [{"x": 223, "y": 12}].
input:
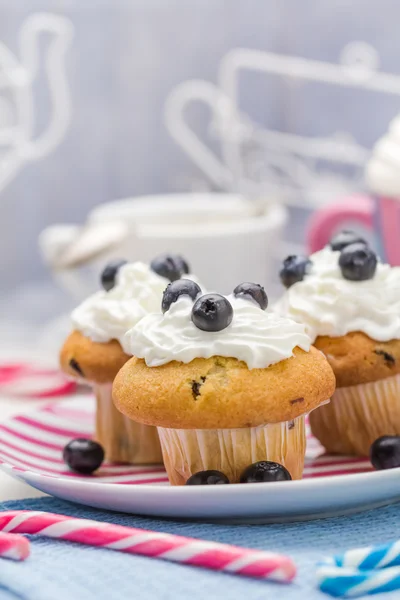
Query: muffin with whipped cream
[
  {"x": 349, "y": 302},
  {"x": 226, "y": 382},
  {"x": 95, "y": 351}
]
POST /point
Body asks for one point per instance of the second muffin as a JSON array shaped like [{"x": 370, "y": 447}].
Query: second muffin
[{"x": 94, "y": 351}]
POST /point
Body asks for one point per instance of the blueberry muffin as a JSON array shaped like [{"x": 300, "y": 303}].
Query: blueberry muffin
[
  {"x": 94, "y": 351},
  {"x": 226, "y": 382},
  {"x": 349, "y": 302}
]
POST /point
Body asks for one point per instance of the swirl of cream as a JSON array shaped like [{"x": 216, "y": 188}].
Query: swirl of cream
[
  {"x": 257, "y": 337},
  {"x": 330, "y": 305},
  {"x": 383, "y": 168},
  {"x": 108, "y": 315}
]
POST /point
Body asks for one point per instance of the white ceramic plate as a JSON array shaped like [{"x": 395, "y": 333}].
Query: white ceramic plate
[{"x": 31, "y": 450}]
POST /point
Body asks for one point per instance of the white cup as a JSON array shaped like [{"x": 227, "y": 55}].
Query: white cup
[{"x": 225, "y": 238}]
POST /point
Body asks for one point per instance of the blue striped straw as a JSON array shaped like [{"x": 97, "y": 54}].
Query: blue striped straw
[
  {"x": 366, "y": 559},
  {"x": 341, "y": 582}
]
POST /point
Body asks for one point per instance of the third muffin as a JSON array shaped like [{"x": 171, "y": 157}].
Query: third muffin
[{"x": 349, "y": 302}]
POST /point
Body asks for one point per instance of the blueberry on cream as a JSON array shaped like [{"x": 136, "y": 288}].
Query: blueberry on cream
[
  {"x": 212, "y": 312},
  {"x": 345, "y": 238},
  {"x": 178, "y": 288},
  {"x": 294, "y": 269},
  {"x": 109, "y": 274},
  {"x": 358, "y": 262},
  {"x": 252, "y": 291},
  {"x": 170, "y": 266}
]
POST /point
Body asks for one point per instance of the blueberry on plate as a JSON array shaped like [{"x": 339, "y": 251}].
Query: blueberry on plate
[
  {"x": 109, "y": 274},
  {"x": 385, "y": 452},
  {"x": 265, "y": 470},
  {"x": 357, "y": 262},
  {"x": 212, "y": 312},
  {"x": 345, "y": 238},
  {"x": 170, "y": 266},
  {"x": 175, "y": 289},
  {"x": 294, "y": 269},
  {"x": 83, "y": 456},
  {"x": 254, "y": 291},
  {"x": 210, "y": 477}
]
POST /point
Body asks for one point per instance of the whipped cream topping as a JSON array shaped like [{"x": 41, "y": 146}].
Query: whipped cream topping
[
  {"x": 383, "y": 168},
  {"x": 257, "y": 337},
  {"x": 108, "y": 315},
  {"x": 328, "y": 304}
]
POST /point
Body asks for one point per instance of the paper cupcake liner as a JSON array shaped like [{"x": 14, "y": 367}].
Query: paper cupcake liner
[
  {"x": 187, "y": 451},
  {"x": 358, "y": 415},
  {"x": 123, "y": 440}
]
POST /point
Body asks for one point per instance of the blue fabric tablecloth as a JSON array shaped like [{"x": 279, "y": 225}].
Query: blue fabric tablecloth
[{"x": 64, "y": 571}]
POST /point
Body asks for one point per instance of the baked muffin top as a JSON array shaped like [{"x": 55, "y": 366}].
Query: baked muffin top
[
  {"x": 223, "y": 393},
  {"x": 93, "y": 362}
]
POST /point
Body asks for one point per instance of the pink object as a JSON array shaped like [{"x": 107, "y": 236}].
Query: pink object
[
  {"x": 34, "y": 443},
  {"x": 14, "y": 546},
  {"x": 32, "y": 382},
  {"x": 325, "y": 221},
  {"x": 188, "y": 551},
  {"x": 389, "y": 222},
  {"x": 380, "y": 214}
]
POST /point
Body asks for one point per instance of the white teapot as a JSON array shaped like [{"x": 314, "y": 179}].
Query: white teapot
[{"x": 17, "y": 142}]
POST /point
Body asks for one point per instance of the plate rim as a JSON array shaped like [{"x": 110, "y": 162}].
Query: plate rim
[
  {"x": 303, "y": 485},
  {"x": 324, "y": 482}
]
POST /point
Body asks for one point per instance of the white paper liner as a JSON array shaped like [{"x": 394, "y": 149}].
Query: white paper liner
[
  {"x": 187, "y": 451},
  {"x": 357, "y": 415},
  {"x": 123, "y": 440}
]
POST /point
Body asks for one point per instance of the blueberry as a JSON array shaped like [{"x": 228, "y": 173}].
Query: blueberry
[
  {"x": 208, "y": 478},
  {"x": 357, "y": 262},
  {"x": 254, "y": 291},
  {"x": 175, "y": 289},
  {"x": 265, "y": 470},
  {"x": 294, "y": 269},
  {"x": 345, "y": 238},
  {"x": 109, "y": 274},
  {"x": 385, "y": 452},
  {"x": 76, "y": 367},
  {"x": 212, "y": 312},
  {"x": 170, "y": 266},
  {"x": 83, "y": 455}
]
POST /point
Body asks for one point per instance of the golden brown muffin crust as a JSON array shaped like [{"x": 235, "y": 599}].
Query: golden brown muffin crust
[
  {"x": 97, "y": 362},
  {"x": 222, "y": 392},
  {"x": 356, "y": 358}
]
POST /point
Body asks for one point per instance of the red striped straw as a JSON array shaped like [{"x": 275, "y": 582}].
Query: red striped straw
[
  {"x": 14, "y": 546},
  {"x": 187, "y": 551}
]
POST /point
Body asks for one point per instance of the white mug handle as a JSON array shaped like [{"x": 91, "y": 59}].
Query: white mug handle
[
  {"x": 66, "y": 247},
  {"x": 198, "y": 90}
]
